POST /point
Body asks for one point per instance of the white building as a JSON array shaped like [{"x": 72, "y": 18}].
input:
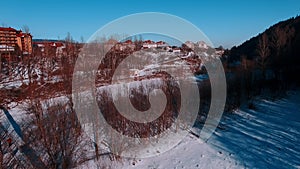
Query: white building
[
  {"x": 149, "y": 44},
  {"x": 176, "y": 50}
]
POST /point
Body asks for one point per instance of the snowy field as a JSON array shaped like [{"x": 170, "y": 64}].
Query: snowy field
[{"x": 266, "y": 136}]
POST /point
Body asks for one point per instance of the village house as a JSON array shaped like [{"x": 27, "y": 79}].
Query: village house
[
  {"x": 149, "y": 44},
  {"x": 161, "y": 44},
  {"x": 128, "y": 44},
  {"x": 45, "y": 47},
  {"x": 176, "y": 50}
]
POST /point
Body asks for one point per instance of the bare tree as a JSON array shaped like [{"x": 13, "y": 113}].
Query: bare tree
[
  {"x": 56, "y": 133},
  {"x": 69, "y": 46},
  {"x": 279, "y": 38},
  {"x": 263, "y": 52},
  {"x": 82, "y": 39},
  {"x": 25, "y": 28}
]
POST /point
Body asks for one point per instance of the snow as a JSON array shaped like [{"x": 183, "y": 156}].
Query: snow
[
  {"x": 17, "y": 111},
  {"x": 189, "y": 154},
  {"x": 263, "y": 138},
  {"x": 123, "y": 88},
  {"x": 18, "y": 74},
  {"x": 266, "y": 136}
]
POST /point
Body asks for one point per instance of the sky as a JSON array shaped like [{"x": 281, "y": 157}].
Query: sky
[{"x": 225, "y": 23}]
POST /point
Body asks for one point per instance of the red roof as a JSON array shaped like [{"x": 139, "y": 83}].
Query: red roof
[
  {"x": 128, "y": 41},
  {"x": 7, "y": 29},
  {"x": 21, "y": 34},
  {"x": 59, "y": 44},
  {"x": 160, "y": 42},
  {"x": 53, "y": 44},
  {"x": 27, "y": 34},
  {"x": 149, "y": 42}
]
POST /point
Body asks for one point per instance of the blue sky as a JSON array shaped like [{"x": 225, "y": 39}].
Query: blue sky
[{"x": 225, "y": 23}]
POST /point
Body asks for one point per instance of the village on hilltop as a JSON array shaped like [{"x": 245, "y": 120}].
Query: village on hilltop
[{"x": 15, "y": 44}]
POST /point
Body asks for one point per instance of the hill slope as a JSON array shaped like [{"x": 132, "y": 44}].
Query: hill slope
[{"x": 282, "y": 45}]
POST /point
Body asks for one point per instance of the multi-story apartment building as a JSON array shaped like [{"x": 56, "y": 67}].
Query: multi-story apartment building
[
  {"x": 11, "y": 38},
  {"x": 8, "y": 38},
  {"x": 24, "y": 41}
]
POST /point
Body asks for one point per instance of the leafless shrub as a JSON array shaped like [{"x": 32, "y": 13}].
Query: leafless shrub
[{"x": 56, "y": 134}]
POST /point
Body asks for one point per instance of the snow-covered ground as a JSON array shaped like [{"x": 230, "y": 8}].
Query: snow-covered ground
[
  {"x": 264, "y": 137},
  {"x": 267, "y": 137},
  {"x": 189, "y": 154}
]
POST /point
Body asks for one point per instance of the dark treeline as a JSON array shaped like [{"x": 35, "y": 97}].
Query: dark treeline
[
  {"x": 279, "y": 46},
  {"x": 265, "y": 64}
]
